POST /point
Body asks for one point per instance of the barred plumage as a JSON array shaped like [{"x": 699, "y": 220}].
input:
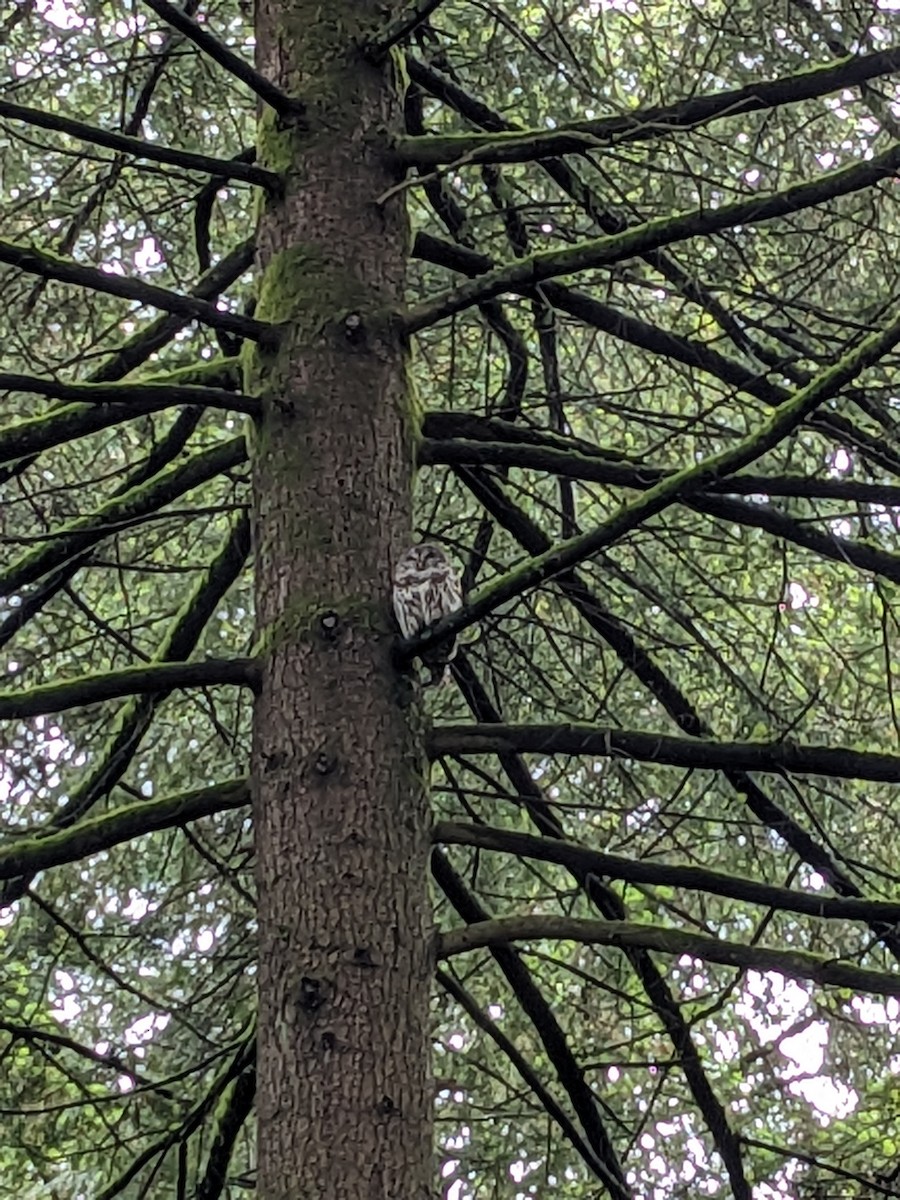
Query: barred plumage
[{"x": 427, "y": 586}]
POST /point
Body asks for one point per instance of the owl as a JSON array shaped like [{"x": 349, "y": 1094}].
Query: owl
[{"x": 427, "y": 586}]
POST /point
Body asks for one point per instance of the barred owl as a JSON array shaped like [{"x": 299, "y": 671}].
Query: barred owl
[{"x": 427, "y": 586}]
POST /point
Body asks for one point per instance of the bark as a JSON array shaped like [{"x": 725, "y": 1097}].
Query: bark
[{"x": 340, "y": 779}]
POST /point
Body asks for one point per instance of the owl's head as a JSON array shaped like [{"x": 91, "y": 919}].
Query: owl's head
[{"x": 421, "y": 559}]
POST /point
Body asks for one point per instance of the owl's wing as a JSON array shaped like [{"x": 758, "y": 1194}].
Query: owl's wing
[{"x": 407, "y": 607}]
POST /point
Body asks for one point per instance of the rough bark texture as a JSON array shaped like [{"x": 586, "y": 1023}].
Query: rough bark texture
[{"x": 340, "y": 787}]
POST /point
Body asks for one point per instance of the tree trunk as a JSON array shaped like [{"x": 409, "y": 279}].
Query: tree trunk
[{"x": 340, "y": 784}]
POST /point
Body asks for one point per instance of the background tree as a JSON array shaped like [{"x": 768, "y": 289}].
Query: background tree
[{"x": 620, "y": 281}]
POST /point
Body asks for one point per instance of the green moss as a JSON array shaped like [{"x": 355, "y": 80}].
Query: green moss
[
  {"x": 218, "y": 372},
  {"x": 289, "y": 284},
  {"x": 275, "y": 144}
]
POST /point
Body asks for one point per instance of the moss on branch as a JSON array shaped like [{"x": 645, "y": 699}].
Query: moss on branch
[
  {"x": 795, "y": 964},
  {"x": 52, "y": 266},
  {"x": 120, "y": 511},
  {"x": 153, "y": 677},
  {"x": 27, "y": 855},
  {"x": 652, "y": 235},
  {"x": 526, "y": 145},
  {"x": 838, "y": 762}
]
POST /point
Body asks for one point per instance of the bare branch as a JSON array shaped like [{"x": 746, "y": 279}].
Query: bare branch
[
  {"x": 530, "y": 144},
  {"x": 284, "y": 105},
  {"x": 694, "y": 753},
  {"x": 610, "y": 906},
  {"x": 580, "y": 860},
  {"x": 132, "y": 720},
  {"x": 153, "y": 677},
  {"x": 50, "y": 266},
  {"x": 183, "y": 1129},
  {"x": 466, "y": 439},
  {"x": 138, "y": 148},
  {"x": 794, "y": 964},
  {"x": 231, "y": 1114}
]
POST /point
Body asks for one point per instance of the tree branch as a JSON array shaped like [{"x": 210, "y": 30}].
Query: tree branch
[
  {"x": 779, "y": 524},
  {"x": 153, "y": 677},
  {"x": 474, "y": 446},
  {"x": 138, "y": 148},
  {"x": 284, "y": 105},
  {"x": 679, "y": 708},
  {"x": 578, "y": 465},
  {"x": 520, "y": 1062},
  {"x": 678, "y": 486},
  {"x": 26, "y": 855},
  {"x": 157, "y": 333},
  {"x": 132, "y": 720},
  {"x": 167, "y": 449},
  {"x": 608, "y": 742},
  {"x": 51, "y": 266},
  {"x": 651, "y": 235},
  {"x": 119, "y": 511},
  {"x": 99, "y": 406},
  {"x": 693, "y": 353},
  {"x": 579, "y": 860},
  {"x": 184, "y": 1128},
  {"x": 526, "y": 145},
  {"x": 604, "y": 1160},
  {"x": 408, "y": 19},
  {"x": 795, "y": 964},
  {"x": 135, "y": 394},
  {"x": 231, "y": 1114},
  {"x": 610, "y": 905}
]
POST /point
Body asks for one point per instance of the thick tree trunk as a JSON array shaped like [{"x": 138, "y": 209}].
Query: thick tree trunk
[{"x": 340, "y": 789}]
